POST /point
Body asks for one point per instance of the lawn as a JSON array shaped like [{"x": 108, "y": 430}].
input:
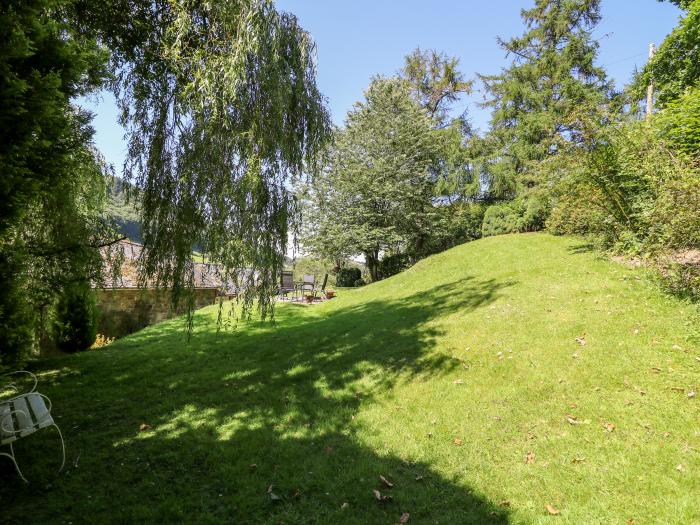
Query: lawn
[{"x": 485, "y": 384}]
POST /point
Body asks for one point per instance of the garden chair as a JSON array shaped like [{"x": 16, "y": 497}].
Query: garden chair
[
  {"x": 307, "y": 285},
  {"x": 287, "y": 284},
  {"x": 22, "y": 415}
]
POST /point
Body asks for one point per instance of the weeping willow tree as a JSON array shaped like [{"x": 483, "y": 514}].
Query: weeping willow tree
[{"x": 222, "y": 113}]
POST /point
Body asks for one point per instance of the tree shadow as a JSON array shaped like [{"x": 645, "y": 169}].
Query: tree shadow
[
  {"x": 160, "y": 430},
  {"x": 583, "y": 247}
]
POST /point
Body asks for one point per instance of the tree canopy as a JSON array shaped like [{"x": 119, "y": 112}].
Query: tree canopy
[{"x": 375, "y": 193}]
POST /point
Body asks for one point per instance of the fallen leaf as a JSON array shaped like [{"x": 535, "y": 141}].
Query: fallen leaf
[
  {"x": 457, "y": 442},
  {"x": 581, "y": 340},
  {"x": 458, "y": 382},
  {"x": 429, "y": 434},
  {"x": 143, "y": 427},
  {"x": 344, "y": 506},
  {"x": 273, "y": 496},
  {"x": 578, "y": 460},
  {"x": 572, "y": 420},
  {"x": 380, "y": 497},
  {"x": 655, "y": 369},
  {"x": 529, "y": 458},
  {"x": 609, "y": 427},
  {"x": 497, "y": 418},
  {"x": 552, "y": 510},
  {"x": 691, "y": 394},
  {"x": 252, "y": 466},
  {"x": 667, "y": 434},
  {"x": 505, "y": 503},
  {"x": 630, "y": 521},
  {"x": 386, "y": 481},
  {"x": 628, "y": 402},
  {"x": 404, "y": 518},
  {"x": 419, "y": 478}
]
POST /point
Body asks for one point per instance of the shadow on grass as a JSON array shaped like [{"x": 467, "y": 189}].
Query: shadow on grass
[
  {"x": 583, "y": 247},
  {"x": 256, "y": 425}
]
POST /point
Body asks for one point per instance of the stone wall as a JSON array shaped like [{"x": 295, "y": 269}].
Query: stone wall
[{"x": 122, "y": 311}]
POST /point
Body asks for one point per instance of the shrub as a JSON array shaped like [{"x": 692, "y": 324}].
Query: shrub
[
  {"x": 393, "y": 264},
  {"x": 358, "y": 283},
  {"x": 347, "y": 276},
  {"x": 499, "y": 219},
  {"x": 75, "y": 324}
]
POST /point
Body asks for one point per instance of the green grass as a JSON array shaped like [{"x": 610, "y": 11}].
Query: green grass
[{"x": 477, "y": 343}]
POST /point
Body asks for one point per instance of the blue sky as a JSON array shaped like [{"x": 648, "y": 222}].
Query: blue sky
[{"x": 358, "y": 39}]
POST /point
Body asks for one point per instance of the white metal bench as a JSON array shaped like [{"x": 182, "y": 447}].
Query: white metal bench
[{"x": 21, "y": 416}]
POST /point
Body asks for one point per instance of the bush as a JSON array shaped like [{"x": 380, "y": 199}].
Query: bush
[
  {"x": 500, "y": 219},
  {"x": 393, "y": 264},
  {"x": 75, "y": 324},
  {"x": 358, "y": 283},
  {"x": 348, "y": 276}
]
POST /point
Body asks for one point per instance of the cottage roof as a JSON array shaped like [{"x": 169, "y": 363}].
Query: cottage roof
[{"x": 206, "y": 275}]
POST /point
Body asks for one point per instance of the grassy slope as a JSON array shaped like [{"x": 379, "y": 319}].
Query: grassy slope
[{"x": 477, "y": 343}]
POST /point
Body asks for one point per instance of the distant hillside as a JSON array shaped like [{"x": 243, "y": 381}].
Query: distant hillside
[{"x": 123, "y": 212}]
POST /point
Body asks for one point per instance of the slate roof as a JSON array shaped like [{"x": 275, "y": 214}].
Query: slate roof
[{"x": 206, "y": 275}]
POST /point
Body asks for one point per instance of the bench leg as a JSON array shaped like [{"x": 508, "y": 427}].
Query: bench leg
[
  {"x": 63, "y": 447},
  {"x": 12, "y": 457}
]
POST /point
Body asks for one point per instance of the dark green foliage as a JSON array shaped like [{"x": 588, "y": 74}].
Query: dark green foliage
[
  {"x": 358, "y": 283},
  {"x": 393, "y": 264},
  {"x": 75, "y": 325},
  {"x": 544, "y": 102},
  {"x": 17, "y": 316},
  {"x": 51, "y": 183},
  {"x": 347, "y": 276}
]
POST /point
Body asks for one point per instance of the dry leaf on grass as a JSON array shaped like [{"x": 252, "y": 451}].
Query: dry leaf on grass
[
  {"x": 419, "y": 478},
  {"x": 273, "y": 496},
  {"x": 457, "y": 442},
  {"x": 529, "y": 458},
  {"x": 691, "y": 394},
  {"x": 457, "y": 382},
  {"x": 680, "y": 468},
  {"x": 578, "y": 460},
  {"x": 252, "y": 466},
  {"x": 552, "y": 510},
  {"x": 404, "y": 518},
  {"x": 143, "y": 427},
  {"x": 581, "y": 340},
  {"x": 572, "y": 420},
  {"x": 505, "y": 503},
  {"x": 609, "y": 427},
  {"x": 344, "y": 506},
  {"x": 386, "y": 481},
  {"x": 381, "y": 498}
]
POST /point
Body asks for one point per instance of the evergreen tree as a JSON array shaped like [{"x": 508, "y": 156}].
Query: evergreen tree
[{"x": 544, "y": 99}]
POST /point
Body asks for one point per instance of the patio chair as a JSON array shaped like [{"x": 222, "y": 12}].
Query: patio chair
[
  {"x": 307, "y": 285},
  {"x": 287, "y": 284},
  {"x": 21, "y": 416}
]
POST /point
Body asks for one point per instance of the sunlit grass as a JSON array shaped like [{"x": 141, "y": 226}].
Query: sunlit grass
[{"x": 443, "y": 379}]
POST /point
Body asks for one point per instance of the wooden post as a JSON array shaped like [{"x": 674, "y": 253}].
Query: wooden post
[{"x": 650, "y": 88}]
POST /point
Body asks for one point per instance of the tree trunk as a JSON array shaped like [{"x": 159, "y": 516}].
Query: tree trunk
[{"x": 372, "y": 262}]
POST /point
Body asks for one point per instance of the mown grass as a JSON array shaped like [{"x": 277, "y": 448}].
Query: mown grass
[{"x": 443, "y": 379}]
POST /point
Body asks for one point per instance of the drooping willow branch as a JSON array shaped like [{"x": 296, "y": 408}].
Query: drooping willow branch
[{"x": 222, "y": 112}]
